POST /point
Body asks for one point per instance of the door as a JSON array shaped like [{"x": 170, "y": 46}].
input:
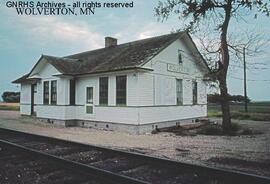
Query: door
[
  {"x": 33, "y": 98},
  {"x": 89, "y": 100}
]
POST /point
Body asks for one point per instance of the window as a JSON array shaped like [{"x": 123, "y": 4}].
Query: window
[
  {"x": 89, "y": 109},
  {"x": 89, "y": 95},
  {"x": 103, "y": 91},
  {"x": 121, "y": 90},
  {"x": 89, "y": 100},
  {"x": 46, "y": 92},
  {"x": 72, "y": 92},
  {"x": 195, "y": 92},
  {"x": 53, "y": 92},
  {"x": 180, "y": 57},
  {"x": 179, "y": 91},
  {"x": 35, "y": 88}
]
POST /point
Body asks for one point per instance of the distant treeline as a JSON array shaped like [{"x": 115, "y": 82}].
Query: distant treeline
[
  {"x": 216, "y": 98},
  {"x": 9, "y": 96}
]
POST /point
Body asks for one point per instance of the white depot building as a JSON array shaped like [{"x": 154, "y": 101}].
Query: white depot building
[{"x": 135, "y": 87}]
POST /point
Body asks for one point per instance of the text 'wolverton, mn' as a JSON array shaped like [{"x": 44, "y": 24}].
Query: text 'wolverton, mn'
[{"x": 63, "y": 8}]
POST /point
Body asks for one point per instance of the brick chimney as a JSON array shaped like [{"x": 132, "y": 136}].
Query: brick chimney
[{"x": 109, "y": 41}]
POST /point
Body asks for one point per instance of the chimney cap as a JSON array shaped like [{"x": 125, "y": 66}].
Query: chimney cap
[
  {"x": 110, "y": 41},
  {"x": 109, "y": 37}
]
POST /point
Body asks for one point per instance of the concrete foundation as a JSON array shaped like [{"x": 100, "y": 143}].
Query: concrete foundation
[{"x": 129, "y": 128}]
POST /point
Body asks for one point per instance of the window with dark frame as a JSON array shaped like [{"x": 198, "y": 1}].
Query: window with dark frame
[
  {"x": 180, "y": 60},
  {"x": 121, "y": 90},
  {"x": 54, "y": 92},
  {"x": 46, "y": 92},
  {"x": 72, "y": 92},
  {"x": 89, "y": 95},
  {"x": 195, "y": 92},
  {"x": 179, "y": 91},
  {"x": 35, "y": 88},
  {"x": 103, "y": 91},
  {"x": 89, "y": 100}
]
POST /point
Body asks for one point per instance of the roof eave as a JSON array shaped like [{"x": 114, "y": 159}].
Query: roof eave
[
  {"x": 21, "y": 81},
  {"x": 204, "y": 61},
  {"x": 115, "y": 70}
]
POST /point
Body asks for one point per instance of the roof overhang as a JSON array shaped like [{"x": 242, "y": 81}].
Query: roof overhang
[
  {"x": 35, "y": 76},
  {"x": 26, "y": 79},
  {"x": 43, "y": 58},
  {"x": 130, "y": 69}
]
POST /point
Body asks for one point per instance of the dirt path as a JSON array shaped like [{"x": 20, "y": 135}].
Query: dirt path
[
  {"x": 246, "y": 153},
  {"x": 10, "y": 104}
]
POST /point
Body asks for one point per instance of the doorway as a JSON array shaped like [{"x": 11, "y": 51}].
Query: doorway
[{"x": 33, "y": 98}]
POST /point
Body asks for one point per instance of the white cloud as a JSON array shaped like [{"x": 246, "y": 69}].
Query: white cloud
[
  {"x": 54, "y": 30},
  {"x": 49, "y": 30},
  {"x": 145, "y": 30}
]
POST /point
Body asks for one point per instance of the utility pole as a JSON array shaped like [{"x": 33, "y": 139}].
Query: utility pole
[{"x": 245, "y": 79}]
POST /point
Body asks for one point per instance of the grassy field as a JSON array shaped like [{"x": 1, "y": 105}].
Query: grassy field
[
  {"x": 9, "y": 106},
  {"x": 259, "y": 111}
]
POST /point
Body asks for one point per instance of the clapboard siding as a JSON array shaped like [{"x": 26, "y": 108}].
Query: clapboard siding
[
  {"x": 145, "y": 89},
  {"x": 25, "y": 99},
  {"x": 170, "y": 113}
]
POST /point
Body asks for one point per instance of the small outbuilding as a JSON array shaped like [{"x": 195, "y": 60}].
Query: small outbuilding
[{"x": 134, "y": 87}]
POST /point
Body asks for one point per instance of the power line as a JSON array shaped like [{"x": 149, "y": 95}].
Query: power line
[
  {"x": 250, "y": 68},
  {"x": 251, "y": 80}
]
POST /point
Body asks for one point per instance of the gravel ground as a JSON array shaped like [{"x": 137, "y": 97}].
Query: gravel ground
[{"x": 245, "y": 153}]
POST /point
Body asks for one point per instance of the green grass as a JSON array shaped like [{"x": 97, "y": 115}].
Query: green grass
[
  {"x": 213, "y": 113},
  {"x": 9, "y": 108},
  {"x": 258, "y": 111},
  {"x": 255, "y": 107}
]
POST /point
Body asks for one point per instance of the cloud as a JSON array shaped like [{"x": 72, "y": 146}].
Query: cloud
[
  {"x": 50, "y": 30},
  {"x": 145, "y": 30},
  {"x": 80, "y": 34},
  {"x": 53, "y": 30},
  {"x": 151, "y": 30}
]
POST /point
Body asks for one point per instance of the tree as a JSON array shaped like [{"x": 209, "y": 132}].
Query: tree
[
  {"x": 220, "y": 13},
  {"x": 9, "y": 96}
]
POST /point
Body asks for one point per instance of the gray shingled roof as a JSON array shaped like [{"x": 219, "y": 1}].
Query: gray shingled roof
[
  {"x": 124, "y": 56},
  {"x": 63, "y": 64},
  {"x": 120, "y": 57},
  {"x": 21, "y": 79}
]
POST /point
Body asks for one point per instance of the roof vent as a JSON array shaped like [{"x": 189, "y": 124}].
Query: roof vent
[{"x": 110, "y": 41}]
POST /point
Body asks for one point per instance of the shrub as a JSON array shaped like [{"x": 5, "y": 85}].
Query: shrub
[
  {"x": 217, "y": 130},
  {"x": 247, "y": 131},
  {"x": 235, "y": 127},
  {"x": 210, "y": 130}
]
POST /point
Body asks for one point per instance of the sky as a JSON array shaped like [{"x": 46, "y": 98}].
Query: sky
[{"x": 24, "y": 38}]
